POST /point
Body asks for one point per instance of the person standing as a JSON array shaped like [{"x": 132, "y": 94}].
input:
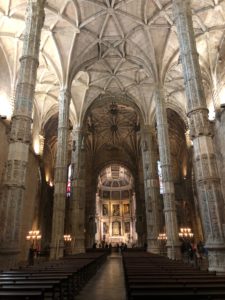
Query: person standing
[{"x": 31, "y": 256}]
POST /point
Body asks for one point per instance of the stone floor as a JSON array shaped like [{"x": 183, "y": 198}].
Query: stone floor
[{"x": 108, "y": 283}]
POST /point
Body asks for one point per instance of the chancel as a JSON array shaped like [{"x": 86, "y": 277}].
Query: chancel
[{"x": 112, "y": 128}]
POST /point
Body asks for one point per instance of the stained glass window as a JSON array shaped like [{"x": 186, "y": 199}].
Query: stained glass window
[{"x": 68, "y": 189}]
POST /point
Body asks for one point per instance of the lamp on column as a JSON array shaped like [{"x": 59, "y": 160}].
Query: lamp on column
[
  {"x": 162, "y": 238},
  {"x": 185, "y": 232},
  {"x": 34, "y": 236},
  {"x": 67, "y": 239}
]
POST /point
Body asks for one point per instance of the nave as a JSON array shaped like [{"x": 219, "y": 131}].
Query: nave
[
  {"x": 108, "y": 283},
  {"x": 133, "y": 274},
  {"x": 112, "y": 124}
]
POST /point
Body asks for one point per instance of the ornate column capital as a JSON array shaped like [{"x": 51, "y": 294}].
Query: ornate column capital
[
  {"x": 148, "y": 129},
  {"x": 77, "y": 129}
]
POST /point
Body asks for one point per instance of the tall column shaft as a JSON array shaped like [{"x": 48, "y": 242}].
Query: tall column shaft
[
  {"x": 60, "y": 178},
  {"x": 90, "y": 208},
  {"x": 12, "y": 197},
  {"x": 140, "y": 220},
  {"x": 78, "y": 192},
  {"x": 173, "y": 248},
  {"x": 206, "y": 172},
  {"x": 151, "y": 181},
  {"x": 98, "y": 218}
]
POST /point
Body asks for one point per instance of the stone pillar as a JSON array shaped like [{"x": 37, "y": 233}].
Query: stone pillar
[
  {"x": 90, "y": 203},
  {"x": 78, "y": 192},
  {"x": 151, "y": 183},
  {"x": 90, "y": 209},
  {"x": 173, "y": 244},
  {"x": 206, "y": 172},
  {"x": 97, "y": 219},
  {"x": 140, "y": 209},
  {"x": 12, "y": 196},
  {"x": 190, "y": 192},
  {"x": 60, "y": 178}
]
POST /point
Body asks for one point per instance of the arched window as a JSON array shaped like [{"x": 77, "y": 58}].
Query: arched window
[{"x": 68, "y": 189}]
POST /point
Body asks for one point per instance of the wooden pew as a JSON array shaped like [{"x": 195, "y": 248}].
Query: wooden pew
[
  {"x": 60, "y": 279},
  {"x": 151, "y": 277},
  {"x": 48, "y": 291},
  {"x": 24, "y": 295}
]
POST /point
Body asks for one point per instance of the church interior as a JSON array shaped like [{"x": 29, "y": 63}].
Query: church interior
[{"x": 112, "y": 126}]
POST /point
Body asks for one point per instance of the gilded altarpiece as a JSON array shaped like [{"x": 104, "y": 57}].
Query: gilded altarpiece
[{"x": 115, "y": 218}]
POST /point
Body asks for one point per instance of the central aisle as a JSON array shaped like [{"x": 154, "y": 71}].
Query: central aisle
[{"x": 108, "y": 283}]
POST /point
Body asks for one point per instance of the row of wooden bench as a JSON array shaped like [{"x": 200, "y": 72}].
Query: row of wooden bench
[
  {"x": 151, "y": 276},
  {"x": 53, "y": 280}
]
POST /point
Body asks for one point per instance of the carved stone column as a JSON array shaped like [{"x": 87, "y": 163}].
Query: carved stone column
[
  {"x": 78, "y": 192},
  {"x": 173, "y": 244},
  {"x": 12, "y": 196},
  {"x": 140, "y": 209},
  {"x": 90, "y": 208},
  {"x": 206, "y": 172},
  {"x": 98, "y": 218},
  {"x": 151, "y": 182},
  {"x": 190, "y": 192},
  {"x": 60, "y": 178}
]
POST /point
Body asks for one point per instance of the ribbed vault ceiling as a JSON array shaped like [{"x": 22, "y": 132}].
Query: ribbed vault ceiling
[
  {"x": 114, "y": 125},
  {"x": 114, "y": 48}
]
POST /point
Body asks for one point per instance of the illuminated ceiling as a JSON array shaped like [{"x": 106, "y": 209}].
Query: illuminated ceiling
[
  {"x": 112, "y": 48},
  {"x": 115, "y": 176}
]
